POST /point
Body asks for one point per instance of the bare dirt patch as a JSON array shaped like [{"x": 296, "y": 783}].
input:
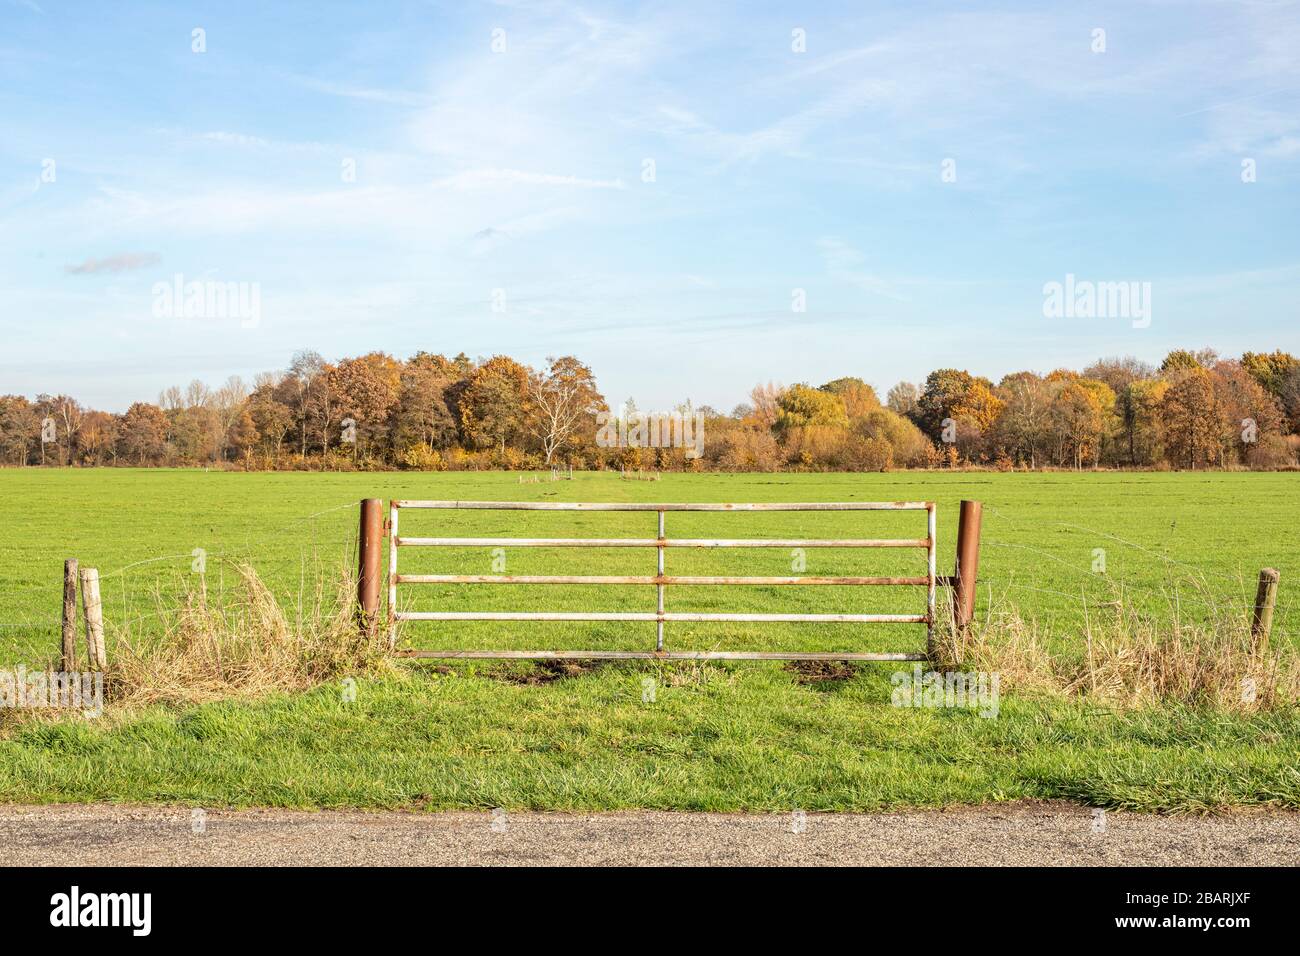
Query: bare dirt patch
[
  {"x": 541, "y": 672},
  {"x": 820, "y": 672}
]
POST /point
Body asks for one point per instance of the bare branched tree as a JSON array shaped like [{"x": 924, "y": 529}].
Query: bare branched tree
[{"x": 561, "y": 397}]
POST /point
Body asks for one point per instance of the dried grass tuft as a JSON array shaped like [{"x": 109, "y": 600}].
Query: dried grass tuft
[
  {"x": 246, "y": 645},
  {"x": 1130, "y": 657}
]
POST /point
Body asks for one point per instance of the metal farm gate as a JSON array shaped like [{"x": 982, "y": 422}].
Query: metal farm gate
[{"x": 661, "y": 580}]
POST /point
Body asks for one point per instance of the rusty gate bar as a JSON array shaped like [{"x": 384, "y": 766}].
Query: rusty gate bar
[{"x": 661, "y": 580}]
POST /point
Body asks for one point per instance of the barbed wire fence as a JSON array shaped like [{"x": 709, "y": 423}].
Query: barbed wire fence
[
  {"x": 128, "y": 585},
  {"x": 1234, "y": 594}
]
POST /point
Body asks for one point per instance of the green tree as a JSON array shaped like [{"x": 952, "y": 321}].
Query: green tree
[
  {"x": 908, "y": 445},
  {"x": 858, "y": 397},
  {"x": 800, "y": 406},
  {"x": 1181, "y": 360},
  {"x": 1270, "y": 370}
]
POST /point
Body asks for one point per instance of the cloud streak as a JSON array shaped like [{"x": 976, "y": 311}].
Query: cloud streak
[{"x": 122, "y": 262}]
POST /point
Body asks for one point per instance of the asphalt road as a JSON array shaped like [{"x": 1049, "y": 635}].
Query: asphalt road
[{"x": 1039, "y": 834}]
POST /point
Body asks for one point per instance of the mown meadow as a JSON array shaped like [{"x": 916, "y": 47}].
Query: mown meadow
[{"x": 1063, "y": 550}]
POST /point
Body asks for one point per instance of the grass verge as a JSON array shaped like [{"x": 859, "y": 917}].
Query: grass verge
[
  {"x": 240, "y": 705},
  {"x": 749, "y": 737}
]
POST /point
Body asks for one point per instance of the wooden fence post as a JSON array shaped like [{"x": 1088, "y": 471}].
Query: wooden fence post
[
  {"x": 369, "y": 543},
  {"x": 968, "y": 562},
  {"x": 68, "y": 661},
  {"x": 1265, "y": 598},
  {"x": 94, "y": 611}
]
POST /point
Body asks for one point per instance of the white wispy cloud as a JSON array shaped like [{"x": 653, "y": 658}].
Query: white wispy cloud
[
  {"x": 121, "y": 262},
  {"x": 1249, "y": 129},
  {"x": 844, "y": 263},
  {"x": 236, "y": 139},
  {"x": 391, "y": 97},
  {"x": 494, "y": 178}
]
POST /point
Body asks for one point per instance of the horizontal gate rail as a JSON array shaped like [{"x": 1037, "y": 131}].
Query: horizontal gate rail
[
  {"x": 662, "y": 655},
  {"x": 667, "y": 616},
  {"x": 661, "y": 543},
  {"x": 661, "y": 580},
  {"x": 639, "y": 579},
  {"x": 669, "y": 506}
]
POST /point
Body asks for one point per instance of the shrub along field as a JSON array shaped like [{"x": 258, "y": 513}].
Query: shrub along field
[{"x": 1061, "y": 549}]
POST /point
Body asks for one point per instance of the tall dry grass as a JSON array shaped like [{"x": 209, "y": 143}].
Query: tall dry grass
[
  {"x": 1131, "y": 657},
  {"x": 244, "y": 645}
]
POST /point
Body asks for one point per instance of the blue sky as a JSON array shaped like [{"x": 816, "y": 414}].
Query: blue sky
[{"x": 523, "y": 170}]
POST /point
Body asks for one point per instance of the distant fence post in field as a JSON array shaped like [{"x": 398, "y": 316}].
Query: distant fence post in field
[
  {"x": 369, "y": 541},
  {"x": 69, "y": 656},
  {"x": 1265, "y": 599},
  {"x": 968, "y": 562},
  {"x": 94, "y": 612}
]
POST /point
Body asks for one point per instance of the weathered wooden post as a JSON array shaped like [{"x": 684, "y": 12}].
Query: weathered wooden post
[
  {"x": 68, "y": 661},
  {"x": 1265, "y": 599},
  {"x": 94, "y": 611},
  {"x": 968, "y": 562},
  {"x": 369, "y": 541}
]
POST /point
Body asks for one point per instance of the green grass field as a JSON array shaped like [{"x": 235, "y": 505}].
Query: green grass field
[
  {"x": 1160, "y": 533},
  {"x": 736, "y": 736}
]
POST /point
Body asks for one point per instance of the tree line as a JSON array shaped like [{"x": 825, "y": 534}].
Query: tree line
[{"x": 430, "y": 412}]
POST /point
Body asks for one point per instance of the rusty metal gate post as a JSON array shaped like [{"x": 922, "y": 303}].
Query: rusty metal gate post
[
  {"x": 968, "y": 562},
  {"x": 369, "y": 541}
]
